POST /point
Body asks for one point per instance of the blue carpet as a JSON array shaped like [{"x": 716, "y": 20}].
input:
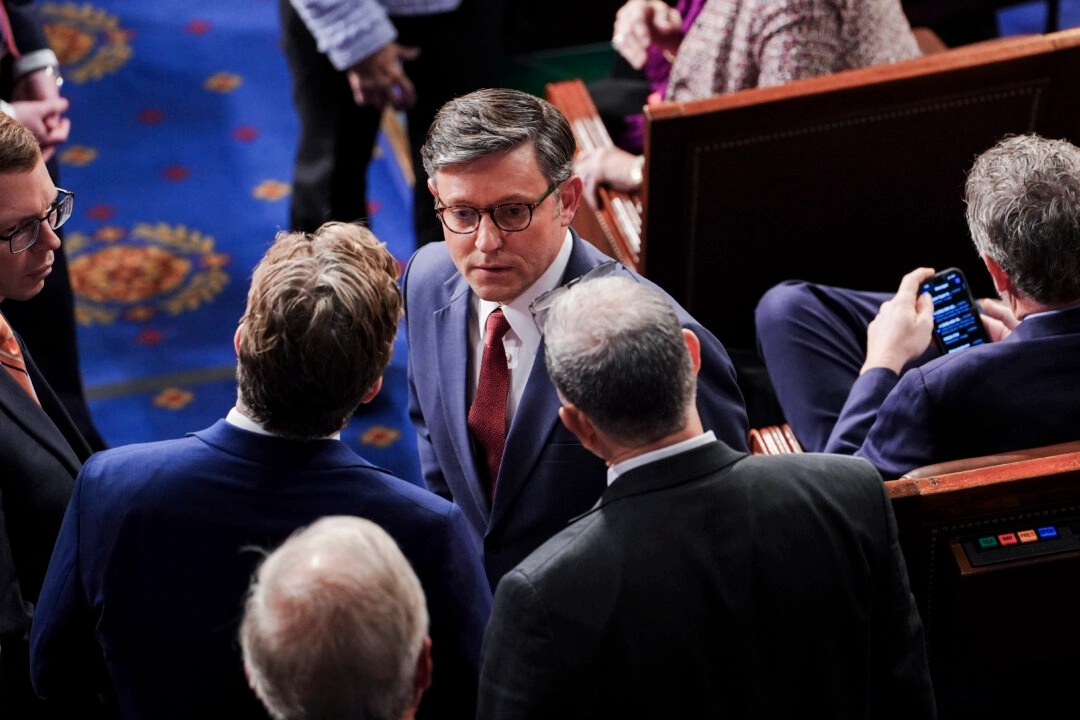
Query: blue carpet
[
  {"x": 180, "y": 155},
  {"x": 181, "y": 152}
]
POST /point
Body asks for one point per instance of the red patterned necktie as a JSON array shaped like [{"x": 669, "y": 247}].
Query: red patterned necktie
[
  {"x": 487, "y": 415},
  {"x": 11, "y": 357}
]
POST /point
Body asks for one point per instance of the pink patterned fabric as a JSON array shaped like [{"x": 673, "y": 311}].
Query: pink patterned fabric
[{"x": 739, "y": 44}]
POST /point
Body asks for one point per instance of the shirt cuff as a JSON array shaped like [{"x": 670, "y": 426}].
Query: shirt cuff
[{"x": 34, "y": 61}]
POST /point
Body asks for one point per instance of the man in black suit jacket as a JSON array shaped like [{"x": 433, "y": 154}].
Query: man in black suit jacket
[
  {"x": 705, "y": 582},
  {"x": 41, "y": 450}
]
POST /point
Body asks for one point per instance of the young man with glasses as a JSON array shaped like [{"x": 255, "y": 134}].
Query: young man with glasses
[
  {"x": 41, "y": 450},
  {"x": 500, "y": 166}
]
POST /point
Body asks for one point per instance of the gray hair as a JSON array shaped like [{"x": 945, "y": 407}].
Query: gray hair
[
  {"x": 1023, "y": 210},
  {"x": 334, "y": 624},
  {"x": 485, "y": 122},
  {"x": 614, "y": 348}
]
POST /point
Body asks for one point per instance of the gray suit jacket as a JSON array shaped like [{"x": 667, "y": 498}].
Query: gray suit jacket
[{"x": 715, "y": 584}]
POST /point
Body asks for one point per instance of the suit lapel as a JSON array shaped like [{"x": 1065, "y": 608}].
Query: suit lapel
[
  {"x": 33, "y": 418},
  {"x": 538, "y": 411},
  {"x": 452, "y": 368}
]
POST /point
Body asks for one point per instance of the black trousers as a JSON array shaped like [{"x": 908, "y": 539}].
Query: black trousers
[{"x": 460, "y": 52}]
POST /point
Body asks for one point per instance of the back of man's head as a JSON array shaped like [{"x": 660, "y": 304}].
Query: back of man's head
[
  {"x": 1023, "y": 210},
  {"x": 615, "y": 350},
  {"x": 321, "y": 317},
  {"x": 19, "y": 151},
  {"x": 335, "y": 626}
]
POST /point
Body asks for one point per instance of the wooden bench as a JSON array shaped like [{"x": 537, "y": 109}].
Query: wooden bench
[
  {"x": 851, "y": 179},
  {"x": 992, "y": 545}
]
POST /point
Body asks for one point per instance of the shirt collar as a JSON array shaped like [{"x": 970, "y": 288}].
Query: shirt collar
[
  {"x": 637, "y": 461},
  {"x": 517, "y": 310},
  {"x": 242, "y": 421}
]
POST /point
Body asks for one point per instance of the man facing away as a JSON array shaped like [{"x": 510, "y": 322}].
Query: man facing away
[
  {"x": 41, "y": 450},
  {"x": 500, "y": 168},
  {"x": 705, "y": 582},
  {"x": 335, "y": 626},
  {"x": 853, "y": 371},
  {"x": 151, "y": 565}
]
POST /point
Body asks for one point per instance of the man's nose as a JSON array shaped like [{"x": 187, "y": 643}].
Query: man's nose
[
  {"x": 488, "y": 235},
  {"x": 48, "y": 239}
]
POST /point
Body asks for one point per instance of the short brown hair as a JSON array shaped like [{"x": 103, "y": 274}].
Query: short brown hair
[
  {"x": 321, "y": 317},
  {"x": 19, "y": 151}
]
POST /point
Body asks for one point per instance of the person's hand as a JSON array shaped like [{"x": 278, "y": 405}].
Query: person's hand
[
  {"x": 903, "y": 327},
  {"x": 380, "y": 80},
  {"x": 641, "y": 23},
  {"x": 997, "y": 317},
  {"x": 44, "y": 118},
  {"x": 610, "y": 166}
]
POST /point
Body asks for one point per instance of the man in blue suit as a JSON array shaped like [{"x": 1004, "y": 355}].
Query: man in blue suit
[
  {"x": 160, "y": 540},
  {"x": 853, "y": 371},
  {"x": 500, "y": 165}
]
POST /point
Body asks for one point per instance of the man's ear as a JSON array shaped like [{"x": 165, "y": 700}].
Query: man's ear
[
  {"x": 570, "y": 194},
  {"x": 431, "y": 187},
  {"x": 422, "y": 680},
  {"x": 577, "y": 423},
  {"x": 693, "y": 345},
  {"x": 370, "y": 394},
  {"x": 1002, "y": 281},
  {"x": 236, "y": 338}
]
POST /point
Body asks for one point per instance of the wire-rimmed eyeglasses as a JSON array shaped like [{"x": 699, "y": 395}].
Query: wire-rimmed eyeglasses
[
  {"x": 508, "y": 217},
  {"x": 23, "y": 237},
  {"x": 543, "y": 302}
]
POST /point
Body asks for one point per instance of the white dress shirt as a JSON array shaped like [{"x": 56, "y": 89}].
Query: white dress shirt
[{"x": 522, "y": 341}]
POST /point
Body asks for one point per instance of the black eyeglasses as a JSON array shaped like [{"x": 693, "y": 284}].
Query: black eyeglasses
[
  {"x": 543, "y": 302},
  {"x": 508, "y": 217},
  {"x": 23, "y": 237}
]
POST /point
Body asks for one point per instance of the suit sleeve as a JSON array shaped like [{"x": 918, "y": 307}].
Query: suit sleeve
[
  {"x": 26, "y": 27},
  {"x": 65, "y": 659},
  {"x": 346, "y": 31},
  {"x": 889, "y": 422},
  {"x": 719, "y": 400},
  {"x": 429, "y": 463},
  {"x": 901, "y": 686},
  {"x": 459, "y": 603},
  {"x": 520, "y": 673}
]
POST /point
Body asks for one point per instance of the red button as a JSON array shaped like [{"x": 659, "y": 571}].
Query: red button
[{"x": 1007, "y": 539}]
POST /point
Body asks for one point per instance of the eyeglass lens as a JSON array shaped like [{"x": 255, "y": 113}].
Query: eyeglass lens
[{"x": 56, "y": 216}]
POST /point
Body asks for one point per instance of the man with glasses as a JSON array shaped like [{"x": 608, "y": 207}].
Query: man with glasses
[
  {"x": 41, "y": 450},
  {"x": 500, "y": 167}
]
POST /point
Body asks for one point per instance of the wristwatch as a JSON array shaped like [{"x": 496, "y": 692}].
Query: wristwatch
[
  {"x": 637, "y": 171},
  {"x": 54, "y": 71}
]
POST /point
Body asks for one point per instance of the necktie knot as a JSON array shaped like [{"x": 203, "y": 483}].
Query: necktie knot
[
  {"x": 497, "y": 326},
  {"x": 11, "y": 358}
]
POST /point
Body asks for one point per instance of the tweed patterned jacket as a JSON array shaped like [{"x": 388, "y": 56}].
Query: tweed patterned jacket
[{"x": 739, "y": 44}]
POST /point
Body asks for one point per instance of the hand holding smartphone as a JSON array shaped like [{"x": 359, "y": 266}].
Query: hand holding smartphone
[{"x": 957, "y": 325}]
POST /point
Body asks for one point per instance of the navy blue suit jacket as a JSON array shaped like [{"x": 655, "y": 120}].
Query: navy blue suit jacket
[
  {"x": 156, "y": 551},
  {"x": 547, "y": 476},
  {"x": 1019, "y": 393},
  {"x": 711, "y": 584}
]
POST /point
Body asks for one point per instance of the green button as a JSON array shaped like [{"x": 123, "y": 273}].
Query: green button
[{"x": 988, "y": 542}]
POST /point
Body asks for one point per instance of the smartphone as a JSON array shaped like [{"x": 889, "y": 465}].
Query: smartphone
[{"x": 957, "y": 325}]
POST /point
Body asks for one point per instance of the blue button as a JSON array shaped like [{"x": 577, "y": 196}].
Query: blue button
[{"x": 1048, "y": 532}]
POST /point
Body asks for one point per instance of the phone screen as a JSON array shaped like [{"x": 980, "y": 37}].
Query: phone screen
[{"x": 957, "y": 325}]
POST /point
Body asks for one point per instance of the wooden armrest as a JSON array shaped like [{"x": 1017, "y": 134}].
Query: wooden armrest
[
  {"x": 774, "y": 440},
  {"x": 955, "y": 466}
]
